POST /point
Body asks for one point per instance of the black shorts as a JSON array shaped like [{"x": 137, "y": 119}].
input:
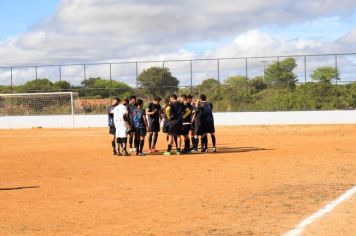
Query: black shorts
[
  {"x": 186, "y": 129},
  {"x": 154, "y": 126},
  {"x": 165, "y": 128},
  {"x": 209, "y": 127},
  {"x": 140, "y": 132},
  {"x": 199, "y": 129},
  {"x": 175, "y": 128},
  {"x": 112, "y": 130}
]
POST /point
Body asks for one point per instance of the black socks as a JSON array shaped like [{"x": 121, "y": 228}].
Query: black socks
[
  {"x": 213, "y": 139},
  {"x": 155, "y": 138}
]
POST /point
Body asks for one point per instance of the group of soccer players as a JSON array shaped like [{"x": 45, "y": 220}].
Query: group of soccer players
[{"x": 183, "y": 119}]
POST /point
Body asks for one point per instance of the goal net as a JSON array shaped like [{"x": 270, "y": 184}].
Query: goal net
[{"x": 30, "y": 104}]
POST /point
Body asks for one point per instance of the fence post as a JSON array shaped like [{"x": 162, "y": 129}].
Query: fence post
[
  {"x": 191, "y": 76},
  {"x": 60, "y": 77},
  {"x": 111, "y": 88},
  {"x": 162, "y": 91},
  {"x": 337, "y": 97},
  {"x": 84, "y": 72},
  {"x": 11, "y": 82},
  {"x": 36, "y": 79},
  {"x": 136, "y": 63},
  {"x": 219, "y": 86},
  {"x": 305, "y": 82}
]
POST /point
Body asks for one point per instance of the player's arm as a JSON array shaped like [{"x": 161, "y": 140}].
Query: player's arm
[
  {"x": 145, "y": 121},
  {"x": 193, "y": 117},
  {"x": 186, "y": 113},
  {"x": 168, "y": 112},
  {"x": 148, "y": 112}
]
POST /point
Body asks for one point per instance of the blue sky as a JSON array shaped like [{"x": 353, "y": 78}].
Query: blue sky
[{"x": 18, "y": 16}]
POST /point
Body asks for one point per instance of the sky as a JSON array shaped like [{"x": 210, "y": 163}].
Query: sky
[{"x": 75, "y": 31}]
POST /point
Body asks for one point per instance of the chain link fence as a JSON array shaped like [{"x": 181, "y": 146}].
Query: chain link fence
[{"x": 231, "y": 84}]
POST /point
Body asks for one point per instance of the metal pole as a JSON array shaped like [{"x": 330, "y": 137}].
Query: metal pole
[
  {"x": 72, "y": 108},
  {"x": 163, "y": 92},
  {"x": 264, "y": 70},
  {"x": 36, "y": 79},
  {"x": 305, "y": 81},
  {"x": 219, "y": 88},
  {"x": 111, "y": 88},
  {"x": 191, "y": 76},
  {"x": 11, "y": 82},
  {"x": 84, "y": 71},
  {"x": 336, "y": 68},
  {"x": 246, "y": 67},
  {"x": 136, "y": 75},
  {"x": 60, "y": 77}
]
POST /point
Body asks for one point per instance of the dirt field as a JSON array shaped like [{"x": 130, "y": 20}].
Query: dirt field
[{"x": 263, "y": 181}]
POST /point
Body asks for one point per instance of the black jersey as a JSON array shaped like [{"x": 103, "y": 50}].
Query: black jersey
[
  {"x": 177, "y": 110},
  {"x": 130, "y": 109},
  {"x": 199, "y": 116},
  {"x": 188, "y": 119},
  {"x": 155, "y": 117},
  {"x": 208, "y": 111},
  {"x": 111, "y": 116}
]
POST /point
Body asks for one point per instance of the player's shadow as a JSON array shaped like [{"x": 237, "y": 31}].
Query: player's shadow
[
  {"x": 18, "y": 188},
  {"x": 222, "y": 150}
]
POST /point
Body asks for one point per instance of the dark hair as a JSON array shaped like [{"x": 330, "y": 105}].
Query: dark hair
[
  {"x": 126, "y": 100},
  {"x": 203, "y": 97},
  {"x": 139, "y": 102},
  {"x": 117, "y": 99},
  {"x": 189, "y": 96},
  {"x": 133, "y": 97},
  {"x": 184, "y": 96},
  {"x": 156, "y": 98},
  {"x": 173, "y": 96}
]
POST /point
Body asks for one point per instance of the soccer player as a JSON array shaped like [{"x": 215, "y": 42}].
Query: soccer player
[
  {"x": 165, "y": 125},
  {"x": 153, "y": 111},
  {"x": 198, "y": 120},
  {"x": 191, "y": 132},
  {"x": 122, "y": 125},
  {"x": 187, "y": 119},
  {"x": 175, "y": 113},
  {"x": 111, "y": 124},
  {"x": 140, "y": 126},
  {"x": 208, "y": 122},
  {"x": 130, "y": 107}
]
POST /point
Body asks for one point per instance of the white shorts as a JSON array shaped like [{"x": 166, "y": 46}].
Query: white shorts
[{"x": 121, "y": 131}]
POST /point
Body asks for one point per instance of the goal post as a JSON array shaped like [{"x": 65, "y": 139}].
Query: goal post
[{"x": 38, "y": 104}]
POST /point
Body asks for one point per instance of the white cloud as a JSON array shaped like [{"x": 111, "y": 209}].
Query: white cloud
[{"x": 98, "y": 30}]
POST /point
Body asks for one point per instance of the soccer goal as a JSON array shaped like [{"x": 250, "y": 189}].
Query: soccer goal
[{"x": 34, "y": 104}]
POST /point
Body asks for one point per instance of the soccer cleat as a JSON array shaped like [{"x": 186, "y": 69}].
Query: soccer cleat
[
  {"x": 214, "y": 149},
  {"x": 155, "y": 150},
  {"x": 141, "y": 154},
  {"x": 194, "y": 151},
  {"x": 150, "y": 150},
  {"x": 124, "y": 153},
  {"x": 115, "y": 152},
  {"x": 167, "y": 153},
  {"x": 178, "y": 152}
]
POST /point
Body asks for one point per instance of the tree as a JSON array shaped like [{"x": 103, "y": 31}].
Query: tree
[
  {"x": 39, "y": 85},
  {"x": 325, "y": 74},
  {"x": 97, "y": 87},
  {"x": 257, "y": 84},
  {"x": 280, "y": 74},
  {"x": 62, "y": 85},
  {"x": 157, "y": 81}
]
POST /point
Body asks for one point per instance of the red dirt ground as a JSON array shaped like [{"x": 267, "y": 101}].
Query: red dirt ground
[{"x": 263, "y": 181}]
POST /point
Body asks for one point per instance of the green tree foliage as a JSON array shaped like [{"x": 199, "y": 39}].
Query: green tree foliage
[
  {"x": 280, "y": 74},
  {"x": 325, "y": 74},
  {"x": 158, "y": 81},
  {"x": 102, "y": 88},
  {"x": 62, "y": 85},
  {"x": 39, "y": 85}
]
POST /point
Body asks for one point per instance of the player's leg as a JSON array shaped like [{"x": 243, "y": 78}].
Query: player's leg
[
  {"x": 123, "y": 146},
  {"x": 112, "y": 131},
  {"x": 155, "y": 139},
  {"x": 213, "y": 140},
  {"x": 150, "y": 136},
  {"x": 118, "y": 141}
]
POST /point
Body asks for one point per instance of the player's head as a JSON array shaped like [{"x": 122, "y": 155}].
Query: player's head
[
  {"x": 139, "y": 102},
  {"x": 196, "y": 102},
  {"x": 183, "y": 97},
  {"x": 203, "y": 97},
  {"x": 173, "y": 97},
  {"x": 115, "y": 101},
  {"x": 156, "y": 99},
  {"x": 189, "y": 98},
  {"x": 166, "y": 101},
  {"x": 133, "y": 99},
  {"x": 125, "y": 101}
]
